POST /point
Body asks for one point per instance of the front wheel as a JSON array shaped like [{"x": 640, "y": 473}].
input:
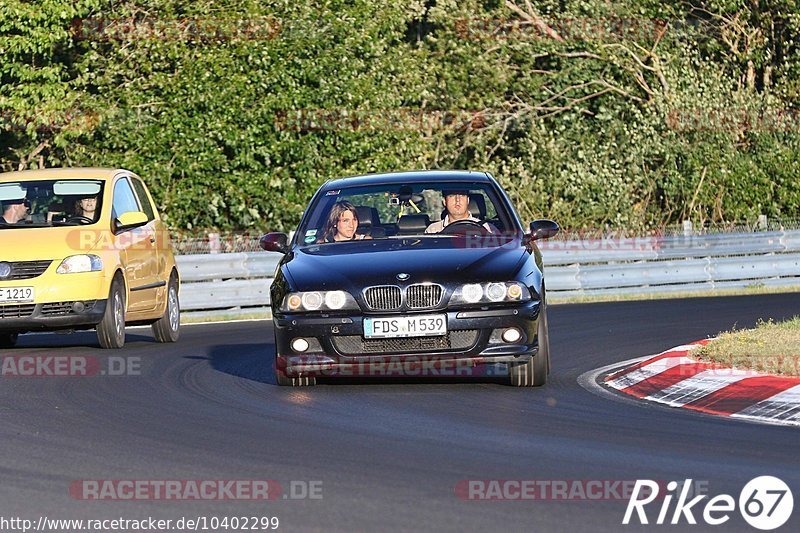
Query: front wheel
[
  {"x": 111, "y": 330},
  {"x": 533, "y": 373},
  {"x": 168, "y": 327},
  {"x": 8, "y": 340}
]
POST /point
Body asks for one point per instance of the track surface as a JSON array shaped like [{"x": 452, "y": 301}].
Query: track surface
[{"x": 389, "y": 455}]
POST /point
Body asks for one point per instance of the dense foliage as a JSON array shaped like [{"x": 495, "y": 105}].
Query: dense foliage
[{"x": 628, "y": 114}]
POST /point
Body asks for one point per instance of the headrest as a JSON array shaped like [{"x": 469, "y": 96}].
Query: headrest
[
  {"x": 411, "y": 224},
  {"x": 367, "y": 216},
  {"x": 477, "y": 205}
]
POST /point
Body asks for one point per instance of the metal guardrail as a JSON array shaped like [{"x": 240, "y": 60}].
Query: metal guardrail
[
  {"x": 672, "y": 264},
  {"x": 226, "y": 284},
  {"x": 237, "y": 283}
]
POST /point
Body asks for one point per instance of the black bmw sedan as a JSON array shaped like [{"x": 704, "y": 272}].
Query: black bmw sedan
[{"x": 410, "y": 271}]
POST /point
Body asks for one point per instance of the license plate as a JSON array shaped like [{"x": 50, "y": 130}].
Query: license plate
[
  {"x": 16, "y": 294},
  {"x": 405, "y": 326}
]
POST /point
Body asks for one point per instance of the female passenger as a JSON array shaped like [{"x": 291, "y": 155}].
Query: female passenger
[{"x": 342, "y": 224}]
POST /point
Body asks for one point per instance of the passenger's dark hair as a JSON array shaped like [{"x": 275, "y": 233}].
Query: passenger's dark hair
[{"x": 333, "y": 218}]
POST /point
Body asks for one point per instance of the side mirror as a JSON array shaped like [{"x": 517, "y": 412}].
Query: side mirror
[
  {"x": 130, "y": 220},
  {"x": 543, "y": 229},
  {"x": 275, "y": 242}
]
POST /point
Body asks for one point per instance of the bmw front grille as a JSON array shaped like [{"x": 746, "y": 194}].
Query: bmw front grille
[
  {"x": 383, "y": 297},
  {"x": 423, "y": 296},
  {"x": 392, "y": 297}
]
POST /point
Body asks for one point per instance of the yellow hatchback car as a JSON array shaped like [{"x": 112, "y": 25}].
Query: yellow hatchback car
[{"x": 84, "y": 248}]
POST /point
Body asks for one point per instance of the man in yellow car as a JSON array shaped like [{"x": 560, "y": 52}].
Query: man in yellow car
[{"x": 14, "y": 211}]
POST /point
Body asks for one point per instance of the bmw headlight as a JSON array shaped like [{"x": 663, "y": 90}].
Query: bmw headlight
[
  {"x": 301, "y": 302},
  {"x": 80, "y": 263},
  {"x": 494, "y": 292}
]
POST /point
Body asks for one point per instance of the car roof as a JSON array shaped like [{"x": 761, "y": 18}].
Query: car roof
[
  {"x": 414, "y": 176},
  {"x": 62, "y": 173}
]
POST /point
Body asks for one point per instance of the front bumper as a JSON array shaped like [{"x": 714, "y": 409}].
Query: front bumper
[
  {"x": 21, "y": 318},
  {"x": 341, "y": 349},
  {"x": 52, "y": 287},
  {"x": 55, "y": 298}
]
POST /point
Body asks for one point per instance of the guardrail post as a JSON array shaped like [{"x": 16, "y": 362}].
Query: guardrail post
[
  {"x": 214, "y": 243},
  {"x": 687, "y": 228},
  {"x": 762, "y": 222}
]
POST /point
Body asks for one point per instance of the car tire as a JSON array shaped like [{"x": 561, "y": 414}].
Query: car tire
[
  {"x": 168, "y": 327},
  {"x": 545, "y": 332},
  {"x": 8, "y": 340},
  {"x": 533, "y": 373},
  {"x": 111, "y": 330}
]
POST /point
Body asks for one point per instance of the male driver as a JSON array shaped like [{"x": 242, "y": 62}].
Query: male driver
[
  {"x": 457, "y": 205},
  {"x": 14, "y": 211}
]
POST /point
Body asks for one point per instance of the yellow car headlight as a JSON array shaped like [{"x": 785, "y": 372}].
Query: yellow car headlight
[{"x": 80, "y": 263}]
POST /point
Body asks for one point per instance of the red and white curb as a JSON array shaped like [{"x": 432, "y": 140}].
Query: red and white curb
[{"x": 674, "y": 378}]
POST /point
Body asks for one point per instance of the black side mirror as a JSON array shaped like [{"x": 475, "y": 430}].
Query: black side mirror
[
  {"x": 275, "y": 242},
  {"x": 543, "y": 229}
]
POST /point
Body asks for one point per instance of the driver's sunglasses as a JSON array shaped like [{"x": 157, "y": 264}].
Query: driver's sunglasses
[{"x": 26, "y": 203}]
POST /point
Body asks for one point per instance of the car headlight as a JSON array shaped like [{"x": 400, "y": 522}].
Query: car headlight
[
  {"x": 472, "y": 293},
  {"x": 300, "y": 302},
  {"x": 494, "y": 292},
  {"x": 80, "y": 263}
]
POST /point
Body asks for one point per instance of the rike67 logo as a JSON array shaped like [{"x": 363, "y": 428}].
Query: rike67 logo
[{"x": 765, "y": 503}]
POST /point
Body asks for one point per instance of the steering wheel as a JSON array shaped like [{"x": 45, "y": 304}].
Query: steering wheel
[
  {"x": 80, "y": 218},
  {"x": 465, "y": 227}
]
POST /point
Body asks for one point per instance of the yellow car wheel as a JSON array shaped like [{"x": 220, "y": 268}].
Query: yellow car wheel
[
  {"x": 168, "y": 327},
  {"x": 111, "y": 330}
]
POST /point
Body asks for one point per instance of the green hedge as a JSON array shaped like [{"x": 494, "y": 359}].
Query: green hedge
[{"x": 634, "y": 115}]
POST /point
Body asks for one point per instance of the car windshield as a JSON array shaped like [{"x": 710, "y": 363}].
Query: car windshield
[
  {"x": 397, "y": 211},
  {"x": 45, "y": 203}
]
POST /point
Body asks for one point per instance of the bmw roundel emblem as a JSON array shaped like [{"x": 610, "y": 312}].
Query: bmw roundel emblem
[
  {"x": 402, "y": 276},
  {"x": 5, "y": 270}
]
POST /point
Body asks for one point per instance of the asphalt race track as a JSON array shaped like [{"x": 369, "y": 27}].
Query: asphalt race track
[{"x": 389, "y": 455}]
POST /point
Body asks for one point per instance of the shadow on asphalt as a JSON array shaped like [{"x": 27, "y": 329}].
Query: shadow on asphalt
[{"x": 78, "y": 339}]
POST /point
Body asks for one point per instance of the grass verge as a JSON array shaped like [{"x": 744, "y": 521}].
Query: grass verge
[
  {"x": 189, "y": 319},
  {"x": 554, "y": 298},
  {"x": 771, "y": 347}
]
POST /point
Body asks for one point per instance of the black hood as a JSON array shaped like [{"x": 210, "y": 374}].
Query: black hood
[{"x": 354, "y": 265}]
